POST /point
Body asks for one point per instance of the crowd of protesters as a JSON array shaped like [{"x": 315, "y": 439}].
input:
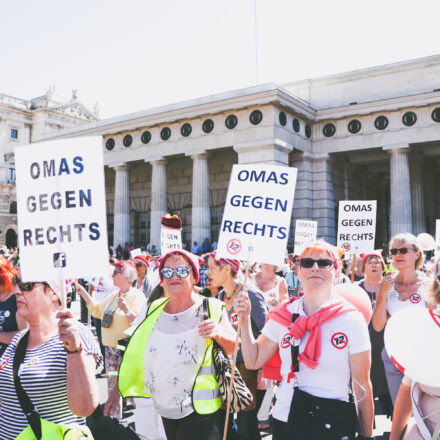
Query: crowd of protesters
[{"x": 314, "y": 362}]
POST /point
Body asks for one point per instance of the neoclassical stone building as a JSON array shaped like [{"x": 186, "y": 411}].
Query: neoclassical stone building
[
  {"x": 23, "y": 121},
  {"x": 371, "y": 134}
]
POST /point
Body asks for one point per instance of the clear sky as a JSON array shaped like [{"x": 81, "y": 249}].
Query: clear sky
[{"x": 131, "y": 55}]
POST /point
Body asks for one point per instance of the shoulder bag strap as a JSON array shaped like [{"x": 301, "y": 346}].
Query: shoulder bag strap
[
  {"x": 294, "y": 350},
  {"x": 26, "y": 404}
]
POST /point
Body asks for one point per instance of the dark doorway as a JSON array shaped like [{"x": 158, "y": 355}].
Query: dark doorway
[{"x": 11, "y": 239}]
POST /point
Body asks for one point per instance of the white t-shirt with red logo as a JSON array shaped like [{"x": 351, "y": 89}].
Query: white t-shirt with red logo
[
  {"x": 347, "y": 334},
  {"x": 394, "y": 303}
]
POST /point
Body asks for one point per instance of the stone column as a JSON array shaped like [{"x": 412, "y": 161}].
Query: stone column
[
  {"x": 324, "y": 203},
  {"x": 159, "y": 199},
  {"x": 201, "y": 216},
  {"x": 121, "y": 234},
  {"x": 400, "y": 191},
  {"x": 417, "y": 199},
  {"x": 303, "y": 200}
]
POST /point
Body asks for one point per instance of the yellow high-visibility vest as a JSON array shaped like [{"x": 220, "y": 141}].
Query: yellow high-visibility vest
[
  {"x": 52, "y": 431},
  {"x": 205, "y": 393}
]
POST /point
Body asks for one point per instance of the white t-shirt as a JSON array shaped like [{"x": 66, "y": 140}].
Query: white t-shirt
[
  {"x": 394, "y": 303},
  {"x": 270, "y": 294},
  {"x": 347, "y": 334}
]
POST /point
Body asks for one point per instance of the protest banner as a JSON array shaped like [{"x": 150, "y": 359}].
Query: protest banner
[
  {"x": 305, "y": 233},
  {"x": 356, "y": 226},
  {"x": 437, "y": 237},
  {"x": 256, "y": 218},
  {"x": 62, "y": 227},
  {"x": 170, "y": 239}
]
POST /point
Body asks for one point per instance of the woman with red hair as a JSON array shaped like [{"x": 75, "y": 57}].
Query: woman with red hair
[
  {"x": 323, "y": 345},
  {"x": 10, "y": 323}
]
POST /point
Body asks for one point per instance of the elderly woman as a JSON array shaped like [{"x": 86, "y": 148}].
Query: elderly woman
[
  {"x": 403, "y": 288},
  {"x": 418, "y": 399},
  {"x": 223, "y": 272},
  {"x": 169, "y": 357},
  {"x": 323, "y": 343},
  {"x": 272, "y": 286},
  {"x": 372, "y": 266},
  {"x": 10, "y": 322},
  {"x": 58, "y": 369},
  {"x": 117, "y": 311},
  {"x": 141, "y": 282}
]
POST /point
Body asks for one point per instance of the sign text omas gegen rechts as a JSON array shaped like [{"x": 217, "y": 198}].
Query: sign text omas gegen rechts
[
  {"x": 257, "y": 213},
  {"x": 61, "y": 209}
]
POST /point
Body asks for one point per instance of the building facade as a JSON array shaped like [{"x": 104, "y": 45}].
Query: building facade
[
  {"x": 23, "y": 121},
  {"x": 372, "y": 134}
]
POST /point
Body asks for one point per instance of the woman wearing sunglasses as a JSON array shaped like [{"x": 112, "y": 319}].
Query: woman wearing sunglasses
[
  {"x": 57, "y": 370},
  {"x": 10, "y": 322},
  {"x": 169, "y": 356},
  {"x": 322, "y": 343},
  {"x": 117, "y": 312},
  {"x": 403, "y": 288}
]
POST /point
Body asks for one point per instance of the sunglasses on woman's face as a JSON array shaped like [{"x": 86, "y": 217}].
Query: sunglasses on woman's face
[
  {"x": 402, "y": 251},
  {"x": 25, "y": 287},
  {"x": 323, "y": 263},
  {"x": 181, "y": 272}
]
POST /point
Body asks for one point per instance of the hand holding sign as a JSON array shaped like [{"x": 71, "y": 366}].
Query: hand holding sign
[{"x": 242, "y": 305}]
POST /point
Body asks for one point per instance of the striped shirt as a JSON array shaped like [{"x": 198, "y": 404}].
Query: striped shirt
[{"x": 43, "y": 375}]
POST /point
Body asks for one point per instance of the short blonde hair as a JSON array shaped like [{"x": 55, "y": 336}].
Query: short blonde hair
[
  {"x": 368, "y": 258},
  {"x": 407, "y": 238},
  {"x": 433, "y": 291}
]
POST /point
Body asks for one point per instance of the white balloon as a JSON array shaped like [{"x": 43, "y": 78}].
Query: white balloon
[{"x": 412, "y": 340}]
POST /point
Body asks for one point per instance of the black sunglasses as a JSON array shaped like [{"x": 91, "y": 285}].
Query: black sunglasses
[
  {"x": 323, "y": 263},
  {"x": 181, "y": 272},
  {"x": 402, "y": 251},
  {"x": 26, "y": 287},
  {"x": 139, "y": 265}
]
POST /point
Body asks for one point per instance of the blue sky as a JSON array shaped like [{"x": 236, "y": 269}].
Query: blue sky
[{"x": 136, "y": 54}]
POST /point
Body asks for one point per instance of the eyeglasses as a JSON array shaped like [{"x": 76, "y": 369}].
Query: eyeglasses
[
  {"x": 26, "y": 287},
  {"x": 181, "y": 272},
  {"x": 323, "y": 263},
  {"x": 402, "y": 251},
  {"x": 138, "y": 265}
]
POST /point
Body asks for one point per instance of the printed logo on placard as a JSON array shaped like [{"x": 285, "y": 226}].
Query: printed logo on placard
[
  {"x": 3, "y": 363},
  {"x": 435, "y": 316},
  {"x": 59, "y": 260},
  {"x": 339, "y": 340},
  {"x": 415, "y": 298},
  {"x": 346, "y": 246},
  {"x": 286, "y": 341},
  {"x": 272, "y": 295},
  {"x": 234, "y": 319},
  {"x": 233, "y": 246}
]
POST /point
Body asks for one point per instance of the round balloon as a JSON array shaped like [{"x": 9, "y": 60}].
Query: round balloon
[
  {"x": 412, "y": 336},
  {"x": 356, "y": 296}
]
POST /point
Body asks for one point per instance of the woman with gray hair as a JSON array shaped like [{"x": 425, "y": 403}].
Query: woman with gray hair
[
  {"x": 117, "y": 313},
  {"x": 398, "y": 290}
]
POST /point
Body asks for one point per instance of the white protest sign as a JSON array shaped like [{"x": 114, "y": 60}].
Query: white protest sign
[
  {"x": 170, "y": 239},
  {"x": 426, "y": 241},
  {"x": 62, "y": 227},
  {"x": 135, "y": 253},
  {"x": 437, "y": 236},
  {"x": 305, "y": 233},
  {"x": 257, "y": 213},
  {"x": 357, "y": 226}
]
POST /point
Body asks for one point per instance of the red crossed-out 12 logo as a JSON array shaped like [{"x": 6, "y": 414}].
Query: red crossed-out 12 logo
[
  {"x": 3, "y": 363},
  {"x": 415, "y": 298},
  {"x": 233, "y": 246},
  {"x": 339, "y": 340},
  {"x": 234, "y": 319},
  {"x": 286, "y": 341}
]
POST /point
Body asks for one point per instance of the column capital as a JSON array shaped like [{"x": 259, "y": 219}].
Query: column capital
[
  {"x": 161, "y": 160},
  {"x": 199, "y": 155},
  {"x": 120, "y": 166},
  {"x": 301, "y": 155},
  {"x": 396, "y": 147}
]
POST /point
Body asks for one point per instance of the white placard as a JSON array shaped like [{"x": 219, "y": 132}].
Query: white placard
[
  {"x": 135, "y": 253},
  {"x": 305, "y": 233},
  {"x": 426, "y": 241},
  {"x": 170, "y": 239},
  {"x": 357, "y": 226},
  {"x": 257, "y": 213},
  {"x": 437, "y": 237},
  {"x": 62, "y": 226}
]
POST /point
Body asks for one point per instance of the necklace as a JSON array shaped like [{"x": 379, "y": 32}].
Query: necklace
[{"x": 227, "y": 298}]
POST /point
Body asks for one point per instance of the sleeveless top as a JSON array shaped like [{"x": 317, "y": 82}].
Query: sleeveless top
[
  {"x": 8, "y": 322},
  {"x": 415, "y": 300}
]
